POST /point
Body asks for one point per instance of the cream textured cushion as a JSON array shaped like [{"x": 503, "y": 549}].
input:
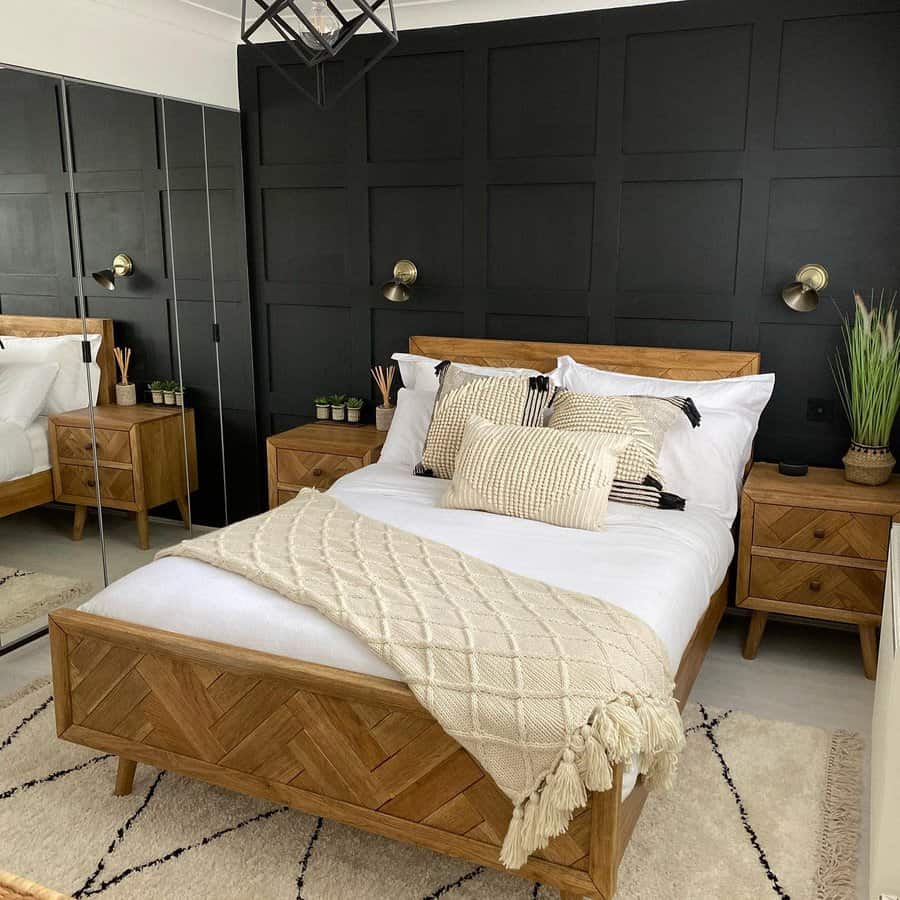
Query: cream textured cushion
[
  {"x": 562, "y": 478},
  {"x": 503, "y": 400},
  {"x": 645, "y": 419}
]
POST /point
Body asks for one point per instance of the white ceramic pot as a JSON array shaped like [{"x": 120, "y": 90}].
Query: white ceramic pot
[
  {"x": 337, "y": 413},
  {"x": 353, "y": 414},
  {"x": 156, "y": 396},
  {"x": 179, "y": 398},
  {"x": 169, "y": 398},
  {"x": 383, "y": 417},
  {"x": 126, "y": 395},
  {"x": 323, "y": 411}
]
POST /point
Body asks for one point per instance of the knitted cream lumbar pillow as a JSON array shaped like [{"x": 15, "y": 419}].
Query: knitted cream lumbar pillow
[{"x": 559, "y": 477}]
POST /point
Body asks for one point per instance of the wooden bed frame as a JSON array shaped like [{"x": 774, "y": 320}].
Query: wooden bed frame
[
  {"x": 353, "y": 748},
  {"x": 37, "y": 489}
]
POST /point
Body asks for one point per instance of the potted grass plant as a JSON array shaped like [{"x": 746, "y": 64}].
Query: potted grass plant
[
  {"x": 338, "y": 407},
  {"x": 354, "y": 408},
  {"x": 179, "y": 394},
  {"x": 169, "y": 392},
  {"x": 323, "y": 407},
  {"x": 867, "y": 373},
  {"x": 156, "y": 391}
]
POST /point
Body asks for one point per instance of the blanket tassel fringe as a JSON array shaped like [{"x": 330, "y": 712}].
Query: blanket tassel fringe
[{"x": 625, "y": 727}]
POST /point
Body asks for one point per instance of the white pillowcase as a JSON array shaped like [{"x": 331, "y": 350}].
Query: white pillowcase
[
  {"x": 418, "y": 374},
  {"x": 703, "y": 465},
  {"x": 405, "y": 441},
  {"x": 69, "y": 391},
  {"x": 23, "y": 390}
]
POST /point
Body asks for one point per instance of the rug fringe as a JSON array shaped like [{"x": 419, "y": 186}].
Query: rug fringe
[
  {"x": 34, "y": 685},
  {"x": 841, "y": 814},
  {"x": 625, "y": 726}
]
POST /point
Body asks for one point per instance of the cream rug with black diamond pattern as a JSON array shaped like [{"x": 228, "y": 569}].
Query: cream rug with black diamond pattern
[{"x": 760, "y": 809}]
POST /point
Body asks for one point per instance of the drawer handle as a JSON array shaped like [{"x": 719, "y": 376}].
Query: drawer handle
[
  {"x": 91, "y": 483},
  {"x": 88, "y": 446},
  {"x": 819, "y": 533},
  {"x": 815, "y": 585},
  {"x": 317, "y": 472}
]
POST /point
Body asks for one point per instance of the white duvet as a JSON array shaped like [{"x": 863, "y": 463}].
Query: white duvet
[{"x": 661, "y": 565}]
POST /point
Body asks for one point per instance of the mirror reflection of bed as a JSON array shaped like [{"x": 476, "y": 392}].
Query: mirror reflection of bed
[{"x": 50, "y": 550}]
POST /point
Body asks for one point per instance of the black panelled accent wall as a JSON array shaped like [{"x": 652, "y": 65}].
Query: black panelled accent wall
[
  {"x": 649, "y": 175},
  {"x": 121, "y": 204}
]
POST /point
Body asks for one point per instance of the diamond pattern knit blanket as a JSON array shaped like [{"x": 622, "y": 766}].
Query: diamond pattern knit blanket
[{"x": 547, "y": 689}]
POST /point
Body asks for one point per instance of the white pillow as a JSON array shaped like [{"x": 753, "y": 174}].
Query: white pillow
[
  {"x": 418, "y": 374},
  {"x": 405, "y": 441},
  {"x": 69, "y": 391},
  {"x": 703, "y": 465},
  {"x": 23, "y": 390}
]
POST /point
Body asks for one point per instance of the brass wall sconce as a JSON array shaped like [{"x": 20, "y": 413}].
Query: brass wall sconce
[
  {"x": 405, "y": 274},
  {"x": 802, "y": 295},
  {"x": 122, "y": 267}
]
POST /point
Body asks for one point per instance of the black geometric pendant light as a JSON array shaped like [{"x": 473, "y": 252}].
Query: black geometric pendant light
[{"x": 317, "y": 31}]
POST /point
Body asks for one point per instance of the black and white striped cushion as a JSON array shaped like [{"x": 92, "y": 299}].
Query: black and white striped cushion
[{"x": 501, "y": 400}]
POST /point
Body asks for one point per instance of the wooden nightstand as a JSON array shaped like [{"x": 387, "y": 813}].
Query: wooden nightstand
[
  {"x": 316, "y": 455},
  {"x": 815, "y": 546},
  {"x": 140, "y": 453}
]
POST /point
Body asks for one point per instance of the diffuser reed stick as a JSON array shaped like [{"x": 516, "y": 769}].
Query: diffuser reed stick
[
  {"x": 123, "y": 361},
  {"x": 384, "y": 378}
]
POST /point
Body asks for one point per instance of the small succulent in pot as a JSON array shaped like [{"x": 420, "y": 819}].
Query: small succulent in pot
[
  {"x": 354, "y": 409},
  {"x": 169, "y": 392},
  {"x": 338, "y": 407},
  {"x": 323, "y": 407},
  {"x": 179, "y": 394},
  {"x": 156, "y": 391}
]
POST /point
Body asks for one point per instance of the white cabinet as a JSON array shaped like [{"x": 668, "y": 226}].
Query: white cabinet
[{"x": 884, "y": 860}]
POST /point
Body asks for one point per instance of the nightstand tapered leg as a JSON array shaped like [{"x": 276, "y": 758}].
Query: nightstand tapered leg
[
  {"x": 78, "y": 523},
  {"x": 183, "y": 509},
  {"x": 143, "y": 527},
  {"x": 755, "y": 633},
  {"x": 125, "y": 776},
  {"x": 869, "y": 647}
]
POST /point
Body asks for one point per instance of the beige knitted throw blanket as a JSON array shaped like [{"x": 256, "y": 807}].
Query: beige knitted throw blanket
[{"x": 547, "y": 689}]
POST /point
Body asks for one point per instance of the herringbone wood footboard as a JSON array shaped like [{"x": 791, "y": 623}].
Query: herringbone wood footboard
[{"x": 353, "y": 748}]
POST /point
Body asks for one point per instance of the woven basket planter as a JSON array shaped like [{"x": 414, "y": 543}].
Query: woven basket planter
[{"x": 864, "y": 464}]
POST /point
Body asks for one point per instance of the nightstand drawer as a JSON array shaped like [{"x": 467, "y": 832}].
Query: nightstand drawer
[
  {"x": 318, "y": 470},
  {"x": 75, "y": 443},
  {"x": 78, "y": 482},
  {"x": 816, "y": 584},
  {"x": 829, "y": 531}
]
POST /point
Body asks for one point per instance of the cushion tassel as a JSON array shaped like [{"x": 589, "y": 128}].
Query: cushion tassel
[
  {"x": 530, "y": 825},
  {"x": 691, "y": 411},
  {"x": 552, "y": 820},
  {"x": 514, "y": 851},
  {"x": 670, "y": 501}
]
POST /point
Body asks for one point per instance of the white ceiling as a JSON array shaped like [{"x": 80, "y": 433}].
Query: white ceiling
[{"x": 221, "y": 18}]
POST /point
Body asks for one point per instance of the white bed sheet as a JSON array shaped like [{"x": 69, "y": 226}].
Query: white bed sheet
[
  {"x": 38, "y": 434},
  {"x": 23, "y": 451}
]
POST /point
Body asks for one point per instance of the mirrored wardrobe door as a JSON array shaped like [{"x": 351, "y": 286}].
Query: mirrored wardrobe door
[
  {"x": 186, "y": 214},
  {"x": 48, "y": 557},
  {"x": 231, "y": 313},
  {"x": 119, "y": 194}
]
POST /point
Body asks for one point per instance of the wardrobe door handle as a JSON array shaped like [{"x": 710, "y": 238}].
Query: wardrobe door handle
[
  {"x": 819, "y": 533},
  {"x": 815, "y": 585}
]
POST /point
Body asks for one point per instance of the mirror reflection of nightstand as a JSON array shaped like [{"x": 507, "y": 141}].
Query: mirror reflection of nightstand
[{"x": 140, "y": 456}]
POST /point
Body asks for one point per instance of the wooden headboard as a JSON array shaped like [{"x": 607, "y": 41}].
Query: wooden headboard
[
  {"x": 657, "y": 362},
  {"x": 48, "y": 326}
]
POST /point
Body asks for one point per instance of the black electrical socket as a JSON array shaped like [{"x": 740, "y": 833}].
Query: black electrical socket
[{"x": 818, "y": 409}]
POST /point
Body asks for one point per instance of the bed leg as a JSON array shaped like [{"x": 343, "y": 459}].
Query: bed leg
[{"x": 125, "y": 776}]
